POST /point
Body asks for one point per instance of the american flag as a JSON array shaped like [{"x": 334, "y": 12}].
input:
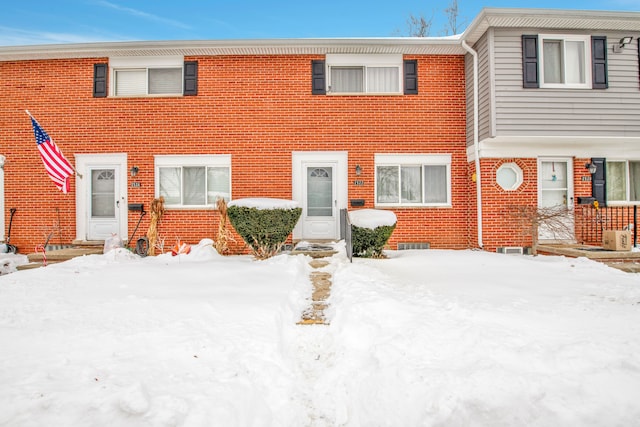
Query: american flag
[{"x": 58, "y": 167}]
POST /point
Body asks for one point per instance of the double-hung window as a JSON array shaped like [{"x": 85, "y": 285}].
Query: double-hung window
[
  {"x": 623, "y": 181},
  {"x": 565, "y": 61},
  {"x": 193, "y": 181},
  {"x": 142, "y": 76},
  {"x": 375, "y": 74},
  {"x": 413, "y": 180}
]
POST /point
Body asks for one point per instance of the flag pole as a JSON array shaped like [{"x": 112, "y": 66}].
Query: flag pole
[{"x": 72, "y": 167}]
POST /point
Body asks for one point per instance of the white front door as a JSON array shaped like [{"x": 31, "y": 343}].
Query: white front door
[
  {"x": 101, "y": 198},
  {"x": 319, "y": 181},
  {"x": 555, "y": 199}
]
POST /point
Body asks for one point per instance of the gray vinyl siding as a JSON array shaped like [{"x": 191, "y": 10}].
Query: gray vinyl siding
[
  {"x": 484, "y": 89},
  {"x": 565, "y": 112}
]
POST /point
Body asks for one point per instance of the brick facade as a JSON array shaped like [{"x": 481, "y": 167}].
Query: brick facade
[{"x": 258, "y": 109}]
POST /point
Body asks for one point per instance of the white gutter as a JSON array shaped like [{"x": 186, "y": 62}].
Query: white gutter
[{"x": 475, "y": 139}]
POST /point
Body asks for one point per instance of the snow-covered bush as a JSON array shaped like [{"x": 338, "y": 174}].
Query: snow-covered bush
[
  {"x": 371, "y": 229},
  {"x": 264, "y": 224}
]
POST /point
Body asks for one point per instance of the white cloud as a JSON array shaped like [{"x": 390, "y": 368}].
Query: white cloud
[
  {"x": 14, "y": 36},
  {"x": 145, "y": 15}
]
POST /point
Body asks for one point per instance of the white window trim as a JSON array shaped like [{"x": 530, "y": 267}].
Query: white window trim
[
  {"x": 413, "y": 160},
  {"x": 518, "y": 172},
  {"x": 587, "y": 61},
  {"x": 144, "y": 63},
  {"x": 627, "y": 177},
  {"x": 211, "y": 160},
  {"x": 364, "y": 61}
]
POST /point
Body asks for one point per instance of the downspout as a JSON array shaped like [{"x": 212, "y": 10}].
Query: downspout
[{"x": 475, "y": 140}]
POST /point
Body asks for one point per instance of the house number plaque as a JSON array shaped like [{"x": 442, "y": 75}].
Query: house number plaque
[{"x": 358, "y": 182}]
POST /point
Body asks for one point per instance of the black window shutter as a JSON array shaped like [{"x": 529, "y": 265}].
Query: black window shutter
[
  {"x": 410, "y": 77},
  {"x": 599, "y": 181},
  {"x": 318, "y": 79},
  {"x": 190, "y": 78},
  {"x": 530, "y": 61},
  {"x": 99, "y": 80},
  {"x": 599, "y": 62}
]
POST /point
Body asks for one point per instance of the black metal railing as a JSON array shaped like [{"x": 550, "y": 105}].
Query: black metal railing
[{"x": 591, "y": 222}]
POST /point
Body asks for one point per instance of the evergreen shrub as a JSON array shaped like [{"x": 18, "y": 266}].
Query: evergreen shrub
[
  {"x": 369, "y": 243},
  {"x": 263, "y": 230}
]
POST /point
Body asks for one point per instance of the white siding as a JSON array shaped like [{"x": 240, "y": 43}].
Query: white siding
[{"x": 484, "y": 90}]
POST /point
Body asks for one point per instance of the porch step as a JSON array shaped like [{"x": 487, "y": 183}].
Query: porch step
[
  {"x": 628, "y": 261},
  {"x": 88, "y": 243},
  {"x": 60, "y": 255},
  {"x": 627, "y": 267},
  {"x": 29, "y": 266},
  {"x": 314, "y": 250}
]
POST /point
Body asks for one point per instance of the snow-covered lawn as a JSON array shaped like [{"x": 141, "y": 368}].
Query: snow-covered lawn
[{"x": 424, "y": 338}]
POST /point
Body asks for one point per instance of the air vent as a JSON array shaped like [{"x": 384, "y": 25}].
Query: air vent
[
  {"x": 405, "y": 246},
  {"x": 510, "y": 250}
]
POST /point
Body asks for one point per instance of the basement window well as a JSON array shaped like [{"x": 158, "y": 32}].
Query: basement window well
[{"x": 509, "y": 176}]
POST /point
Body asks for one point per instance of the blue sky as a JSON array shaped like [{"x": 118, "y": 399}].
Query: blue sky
[{"x": 78, "y": 21}]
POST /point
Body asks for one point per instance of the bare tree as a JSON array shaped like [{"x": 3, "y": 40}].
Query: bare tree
[
  {"x": 419, "y": 26},
  {"x": 452, "y": 12},
  {"x": 553, "y": 221}
]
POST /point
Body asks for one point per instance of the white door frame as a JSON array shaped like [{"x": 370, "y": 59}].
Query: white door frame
[
  {"x": 299, "y": 159},
  {"x": 83, "y": 163},
  {"x": 569, "y": 202}
]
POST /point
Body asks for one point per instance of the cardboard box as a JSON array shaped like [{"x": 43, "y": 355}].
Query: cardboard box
[{"x": 616, "y": 240}]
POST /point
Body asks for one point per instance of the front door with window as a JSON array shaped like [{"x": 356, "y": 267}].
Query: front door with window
[
  {"x": 319, "y": 181},
  {"x": 101, "y": 197},
  {"x": 555, "y": 200},
  {"x": 104, "y": 202}
]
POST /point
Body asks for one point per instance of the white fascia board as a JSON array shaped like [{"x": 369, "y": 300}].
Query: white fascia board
[{"x": 533, "y": 147}]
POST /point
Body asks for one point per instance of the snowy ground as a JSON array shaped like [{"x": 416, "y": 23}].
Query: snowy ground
[{"x": 424, "y": 338}]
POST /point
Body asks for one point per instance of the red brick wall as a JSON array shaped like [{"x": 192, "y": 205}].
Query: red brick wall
[
  {"x": 257, "y": 108},
  {"x": 503, "y": 225}
]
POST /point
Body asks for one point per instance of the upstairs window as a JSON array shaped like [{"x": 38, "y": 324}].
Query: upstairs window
[
  {"x": 193, "y": 181},
  {"x": 142, "y": 76},
  {"x": 565, "y": 61},
  {"x": 375, "y": 74},
  {"x": 413, "y": 180},
  {"x": 556, "y": 61}
]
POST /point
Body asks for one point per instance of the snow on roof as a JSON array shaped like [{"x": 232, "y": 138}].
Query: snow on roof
[
  {"x": 372, "y": 218},
  {"x": 264, "y": 203}
]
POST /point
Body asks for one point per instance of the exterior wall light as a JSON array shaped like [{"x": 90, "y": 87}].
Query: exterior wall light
[
  {"x": 625, "y": 41},
  {"x": 134, "y": 171},
  {"x": 358, "y": 170},
  {"x": 591, "y": 167},
  {"x": 617, "y": 48}
]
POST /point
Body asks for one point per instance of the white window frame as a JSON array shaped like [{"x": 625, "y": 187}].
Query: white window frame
[
  {"x": 206, "y": 161},
  {"x": 627, "y": 176},
  {"x": 144, "y": 63},
  {"x": 513, "y": 168},
  {"x": 587, "y": 60},
  {"x": 414, "y": 160},
  {"x": 364, "y": 61}
]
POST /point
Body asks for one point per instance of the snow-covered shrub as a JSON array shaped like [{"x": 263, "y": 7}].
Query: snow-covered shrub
[
  {"x": 370, "y": 231},
  {"x": 264, "y": 224}
]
